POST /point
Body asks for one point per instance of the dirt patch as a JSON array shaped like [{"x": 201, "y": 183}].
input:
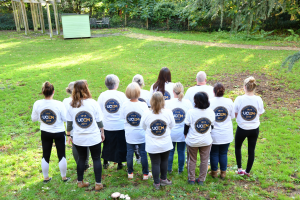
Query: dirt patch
[{"x": 274, "y": 94}]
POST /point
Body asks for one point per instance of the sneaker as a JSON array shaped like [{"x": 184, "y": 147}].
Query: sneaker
[
  {"x": 47, "y": 181},
  {"x": 130, "y": 176},
  {"x": 105, "y": 166},
  {"x": 241, "y": 172},
  {"x": 67, "y": 179},
  {"x": 165, "y": 182},
  {"x": 98, "y": 186},
  {"x": 246, "y": 174},
  {"x": 170, "y": 171},
  {"x": 156, "y": 186},
  {"x": 191, "y": 182},
  {"x": 199, "y": 182}
]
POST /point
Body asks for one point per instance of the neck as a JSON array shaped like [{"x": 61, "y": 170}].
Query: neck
[
  {"x": 249, "y": 93},
  {"x": 49, "y": 98},
  {"x": 134, "y": 100},
  {"x": 201, "y": 83}
]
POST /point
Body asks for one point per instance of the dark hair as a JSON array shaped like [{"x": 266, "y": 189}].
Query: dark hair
[
  {"x": 80, "y": 92},
  {"x": 47, "y": 89},
  {"x": 219, "y": 89},
  {"x": 201, "y": 100},
  {"x": 163, "y": 77}
]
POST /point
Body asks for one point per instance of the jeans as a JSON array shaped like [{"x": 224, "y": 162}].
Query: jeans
[
  {"x": 144, "y": 159},
  {"x": 181, "y": 156},
  {"x": 159, "y": 162},
  {"x": 218, "y": 154}
]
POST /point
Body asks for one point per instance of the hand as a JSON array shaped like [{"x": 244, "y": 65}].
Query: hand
[
  {"x": 184, "y": 136},
  {"x": 70, "y": 142},
  {"x": 102, "y": 136}
]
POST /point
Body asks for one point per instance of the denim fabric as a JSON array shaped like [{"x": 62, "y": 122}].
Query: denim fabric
[
  {"x": 143, "y": 154},
  {"x": 181, "y": 156},
  {"x": 218, "y": 154}
]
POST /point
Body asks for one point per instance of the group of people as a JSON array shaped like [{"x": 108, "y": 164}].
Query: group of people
[{"x": 149, "y": 123}]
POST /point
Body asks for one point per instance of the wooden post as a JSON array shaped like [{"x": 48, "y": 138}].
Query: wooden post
[
  {"x": 21, "y": 21},
  {"x": 41, "y": 15},
  {"x": 37, "y": 15},
  {"x": 125, "y": 20},
  {"x": 16, "y": 17},
  {"x": 147, "y": 23},
  {"x": 56, "y": 18},
  {"x": 24, "y": 17},
  {"x": 33, "y": 17},
  {"x": 49, "y": 20}
]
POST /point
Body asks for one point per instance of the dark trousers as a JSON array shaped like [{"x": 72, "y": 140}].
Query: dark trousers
[
  {"x": 159, "y": 162},
  {"x": 95, "y": 153},
  {"x": 240, "y": 136},
  {"x": 181, "y": 156},
  {"x": 47, "y": 142},
  {"x": 76, "y": 156},
  {"x": 218, "y": 154}
]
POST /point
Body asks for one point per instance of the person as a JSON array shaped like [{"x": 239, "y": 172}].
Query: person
[
  {"x": 85, "y": 117},
  {"x": 248, "y": 108},
  {"x": 52, "y": 115},
  {"x": 163, "y": 84},
  {"x": 144, "y": 94},
  {"x": 197, "y": 129},
  {"x": 158, "y": 123},
  {"x": 131, "y": 112},
  {"x": 179, "y": 107},
  {"x": 67, "y": 103},
  {"x": 222, "y": 133},
  {"x": 111, "y": 101},
  {"x": 200, "y": 87}
]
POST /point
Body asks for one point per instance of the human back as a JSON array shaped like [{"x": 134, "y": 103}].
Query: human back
[{"x": 163, "y": 84}]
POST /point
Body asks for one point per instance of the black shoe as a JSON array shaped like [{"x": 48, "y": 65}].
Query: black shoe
[
  {"x": 66, "y": 180},
  {"x": 120, "y": 167},
  {"x": 199, "y": 182},
  {"x": 105, "y": 166},
  {"x": 191, "y": 182},
  {"x": 47, "y": 181}
]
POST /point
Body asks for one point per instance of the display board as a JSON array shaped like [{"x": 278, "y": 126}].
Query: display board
[{"x": 76, "y": 26}]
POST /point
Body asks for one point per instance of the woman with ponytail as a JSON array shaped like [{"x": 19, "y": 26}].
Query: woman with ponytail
[
  {"x": 163, "y": 84},
  {"x": 248, "y": 108},
  {"x": 145, "y": 94},
  {"x": 179, "y": 107},
  {"x": 52, "y": 115}
]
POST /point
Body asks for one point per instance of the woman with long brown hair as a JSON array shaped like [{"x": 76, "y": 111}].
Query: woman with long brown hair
[
  {"x": 85, "y": 118},
  {"x": 163, "y": 84}
]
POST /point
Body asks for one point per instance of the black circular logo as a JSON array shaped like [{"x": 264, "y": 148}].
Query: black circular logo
[
  {"x": 179, "y": 115},
  {"x": 142, "y": 100},
  {"x": 158, "y": 127},
  {"x": 112, "y": 106},
  {"x": 221, "y": 114},
  {"x": 48, "y": 116},
  {"x": 84, "y": 119},
  {"x": 133, "y": 118},
  {"x": 167, "y": 95},
  {"x": 202, "y": 125},
  {"x": 249, "y": 113}
]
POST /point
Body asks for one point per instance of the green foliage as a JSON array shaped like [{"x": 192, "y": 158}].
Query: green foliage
[
  {"x": 292, "y": 59},
  {"x": 164, "y": 10},
  {"x": 293, "y": 36}
]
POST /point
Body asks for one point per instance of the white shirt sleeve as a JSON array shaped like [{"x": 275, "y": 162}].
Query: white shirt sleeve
[
  {"x": 261, "y": 109},
  {"x": 98, "y": 113},
  {"x": 172, "y": 119},
  {"x": 63, "y": 112},
  {"x": 122, "y": 111},
  {"x": 143, "y": 120},
  {"x": 188, "y": 120},
  {"x": 231, "y": 107},
  {"x": 34, "y": 114},
  {"x": 236, "y": 106},
  {"x": 100, "y": 101},
  {"x": 69, "y": 116}
]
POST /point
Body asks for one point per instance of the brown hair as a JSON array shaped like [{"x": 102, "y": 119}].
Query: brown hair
[
  {"x": 178, "y": 89},
  {"x": 157, "y": 102},
  {"x": 250, "y": 84},
  {"x": 163, "y": 77},
  {"x": 80, "y": 92},
  {"x": 133, "y": 91},
  {"x": 47, "y": 89},
  {"x": 219, "y": 89}
]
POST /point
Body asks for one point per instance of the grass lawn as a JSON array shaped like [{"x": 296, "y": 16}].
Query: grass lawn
[{"x": 28, "y": 61}]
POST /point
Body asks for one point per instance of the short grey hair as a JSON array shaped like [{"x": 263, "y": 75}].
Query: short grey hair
[
  {"x": 70, "y": 87},
  {"x": 201, "y": 76},
  {"x": 111, "y": 81},
  {"x": 139, "y": 80}
]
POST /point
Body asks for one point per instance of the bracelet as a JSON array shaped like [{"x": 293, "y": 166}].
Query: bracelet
[{"x": 68, "y": 135}]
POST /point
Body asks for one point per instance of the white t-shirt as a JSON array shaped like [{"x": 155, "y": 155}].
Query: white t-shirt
[
  {"x": 145, "y": 96},
  {"x": 190, "y": 93},
  {"x": 110, "y": 103},
  {"x": 222, "y": 133},
  {"x": 179, "y": 110},
  {"x": 200, "y": 121},
  {"x": 248, "y": 108},
  {"x": 168, "y": 91},
  {"x": 51, "y": 114},
  {"x": 85, "y": 129},
  {"x": 67, "y": 102},
  {"x": 158, "y": 130},
  {"x": 132, "y": 112}
]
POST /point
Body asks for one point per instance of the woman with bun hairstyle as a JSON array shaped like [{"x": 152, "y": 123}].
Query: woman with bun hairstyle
[
  {"x": 248, "y": 108},
  {"x": 67, "y": 103},
  {"x": 163, "y": 84},
  {"x": 144, "y": 94},
  {"x": 52, "y": 115},
  {"x": 131, "y": 112},
  {"x": 158, "y": 123},
  {"x": 85, "y": 119},
  {"x": 222, "y": 133},
  {"x": 179, "y": 107},
  {"x": 198, "y": 125}
]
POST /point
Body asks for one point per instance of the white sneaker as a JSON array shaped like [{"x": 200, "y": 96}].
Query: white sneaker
[
  {"x": 146, "y": 177},
  {"x": 130, "y": 176}
]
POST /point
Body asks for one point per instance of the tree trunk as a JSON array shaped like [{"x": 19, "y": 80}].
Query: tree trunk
[
  {"x": 147, "y": 24},
  {"x": 167, "y": 24},
  {"x": 91, "y": 11}
]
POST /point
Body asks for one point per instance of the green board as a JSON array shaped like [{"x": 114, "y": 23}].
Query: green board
[{"x": 76, "y": 26}]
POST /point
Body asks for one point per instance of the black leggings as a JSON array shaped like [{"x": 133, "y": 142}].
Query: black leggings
[
  {"x": 159, "y": 162},
  {"x": 240, "y": 136},
  {"x": 47, "y": 142},
  {"x": 95, "y": 153}
]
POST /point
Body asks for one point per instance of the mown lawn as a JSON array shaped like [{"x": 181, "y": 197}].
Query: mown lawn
[{"x": 26, "y": 62}]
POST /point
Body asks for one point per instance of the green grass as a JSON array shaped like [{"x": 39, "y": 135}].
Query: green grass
[{"x": 27, "y": 61}]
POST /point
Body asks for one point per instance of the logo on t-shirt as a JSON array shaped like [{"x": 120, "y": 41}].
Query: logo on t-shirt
[
  {"x": 142, "y": 100},
  {"x": 167, "y": 95},
  {"x": 179, "y": 115},
  {"x": 249, "y": 113},
  {"x": 221, "y": 114},
  {"x": 133, "y": 118},
  {"x": 48, "y": 116},
  {"x": 84, "y": 119},
  {"x": 112, "y": 106},
  {"x": 158, "y": 127},
  {"x": 202, "y": 125}
]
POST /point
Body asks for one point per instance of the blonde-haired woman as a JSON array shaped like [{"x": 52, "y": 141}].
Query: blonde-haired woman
[
  {"x": 144, "y": 94},
  {"x": 85, "y": 118},
  {"x": 248, "y": 108},
  {"x": 179, "y": 107},
  {"x": 131, "y": 112},
  {"x": 158, "y": 123}
]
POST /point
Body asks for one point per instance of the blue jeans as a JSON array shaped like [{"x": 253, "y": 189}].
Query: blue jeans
[
  {"x": 181, "y": 156},
  {"x": 218, "y": 154},
  {"x": 143, "y": 154}
]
